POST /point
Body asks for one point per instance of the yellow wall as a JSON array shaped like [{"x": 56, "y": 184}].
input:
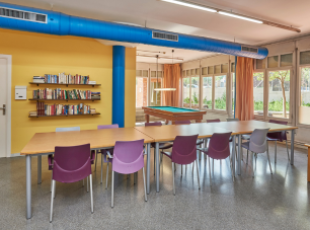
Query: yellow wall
[{"x": 38, "y": 54}]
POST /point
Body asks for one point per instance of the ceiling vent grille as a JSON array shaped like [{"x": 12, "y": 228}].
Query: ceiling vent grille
[
  {"x": 165, "y": 36},
  {"x": 23, "y": 15},
  {"x": 249, "y": 49}
]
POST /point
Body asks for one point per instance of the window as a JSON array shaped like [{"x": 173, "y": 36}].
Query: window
[
  {"x": 260, "y": 64},
  {"x": 286, "y": 60},
  {"x": 186, "y": 92},
  {"x": 272, "y": 62},
  {"x": 195, "y": 92},
  {"x": 141, "y": 91},
  {"x": 207, "y": 93},
  {"x": 233, "y": 80},
  {"x": 258, "y": 93},
  {"x": 155, "y": 95},
  {"x": 279, "y": 93},
  {"x": 304, "y": 110},
  {"x": 220, "y": 92},
  {"x": 304, "y": 58}
]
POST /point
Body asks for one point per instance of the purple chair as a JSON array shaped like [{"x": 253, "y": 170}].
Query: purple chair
[
  {"x": 162, "y": 146},
  {"x": 104, "y": 154},
  {"x": 258, "y": 144},
  {"x": 128, "y": 158},
  {"x": 184, "y": 122},
  {"x": 278, "y": 136},
  {"x": 213, "y": 121},
  {"x": 218, "y": 148},
  {"x": 71, "y": 164},
  {"x": 183, "y": 153}
]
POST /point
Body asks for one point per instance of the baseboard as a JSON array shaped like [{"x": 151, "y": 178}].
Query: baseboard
[{"x": 15, "y": 155}]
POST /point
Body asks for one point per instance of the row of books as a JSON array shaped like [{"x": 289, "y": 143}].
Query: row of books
[
  {"x": 60, "y": 109},
  {"x": 58, "y": 94},
  {"x": 62, "y": 78}
]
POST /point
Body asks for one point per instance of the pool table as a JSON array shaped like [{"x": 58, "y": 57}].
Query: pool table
[{"x": 170, "y": 113}]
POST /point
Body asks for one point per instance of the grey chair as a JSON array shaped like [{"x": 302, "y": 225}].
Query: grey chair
[{"x": 258, "y": 144}]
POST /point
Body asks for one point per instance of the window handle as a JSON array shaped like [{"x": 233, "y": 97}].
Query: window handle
[{"x": 3, "y": 108}]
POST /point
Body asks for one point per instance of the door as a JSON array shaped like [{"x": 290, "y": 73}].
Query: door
[{"x": 3, "y": 103}]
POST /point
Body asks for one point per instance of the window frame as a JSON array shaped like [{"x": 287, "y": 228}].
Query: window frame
[{"x": 298, "y": 99}]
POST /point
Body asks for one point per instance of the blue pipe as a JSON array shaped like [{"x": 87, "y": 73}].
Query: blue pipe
[
  {"x": 118, "y": 86},
  {"x": 62, "y": 24}
]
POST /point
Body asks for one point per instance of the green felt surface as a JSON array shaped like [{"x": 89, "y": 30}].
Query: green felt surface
[{"x": 172, "y": 109}]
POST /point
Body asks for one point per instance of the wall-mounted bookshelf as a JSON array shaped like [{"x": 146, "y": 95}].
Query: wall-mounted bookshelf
[
  {"x": 35, "y": 83},
  {"x": 69, "y": 115},
  {"x": 38, "y": 99}
]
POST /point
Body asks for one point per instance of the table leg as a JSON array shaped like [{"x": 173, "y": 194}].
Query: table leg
[
  {"x": 157, "y": 166},
  {"x": 198, "y": 121},
  {"x": 28, "y": 187},
  {"x": 292, "y": 146},
  {"x": 148, "y": 165},
  {"x": 239, "y": 154},
  {"x": 233, "y": 155},
  {"x": 39, "y": 169},
  {"x": 147, "y": 118}
]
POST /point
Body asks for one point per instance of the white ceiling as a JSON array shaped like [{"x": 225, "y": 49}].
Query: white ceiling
[{"x": 170, "y": 17}]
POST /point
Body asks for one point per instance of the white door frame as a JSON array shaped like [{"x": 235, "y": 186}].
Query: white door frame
[{"x": 8, "y": 104}]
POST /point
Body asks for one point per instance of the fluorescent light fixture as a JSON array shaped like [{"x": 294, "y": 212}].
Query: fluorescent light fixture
[
  {"x": 165, "y": 89},
  {"x": 189, "y": 4},
  {"x": 165, "y": 58},
  {"x": 240, "y": 17}
]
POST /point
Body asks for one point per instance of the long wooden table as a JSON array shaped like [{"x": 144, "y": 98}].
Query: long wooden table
[
  {"x": 206, "y": 130},
  {"x": 308, "y": 177},
  {"x": 44, "y": 144}
]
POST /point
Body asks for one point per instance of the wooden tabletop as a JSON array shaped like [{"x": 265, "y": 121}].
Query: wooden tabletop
[
  {"x": 307, "y": 145},
  {"x": 244, "y": 127},
  {"x": 169, "y": 132},
  {"x": 46, "y": 142}
]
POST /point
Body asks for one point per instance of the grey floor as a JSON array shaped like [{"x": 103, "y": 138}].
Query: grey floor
[{"x": 267, "y": 201}]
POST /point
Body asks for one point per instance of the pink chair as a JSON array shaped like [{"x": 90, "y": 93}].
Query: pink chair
[
  {"x": 278, "y": 136},
  {"x": 213, "y": 120},
  {"x": 183, "y": 153},
  {"x": 71, "y": 164},
  {"x": 104, "y": 154},
  {"x": 218, "y": 148},
  {"x": 127, "y": 159}
]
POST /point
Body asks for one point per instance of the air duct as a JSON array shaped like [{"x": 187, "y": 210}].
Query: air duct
[{"x": 56, "y": 23}]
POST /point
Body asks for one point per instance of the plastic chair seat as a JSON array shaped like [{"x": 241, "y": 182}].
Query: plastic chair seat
[
  {"x": 204, "y": 150},
  {"x": 273, "y": 139},
  {"x": 246, "y": 137},
  {"x": 168, "y": 154},
  {"x": 199, "y": 141},
  {"x": 246, "y": 145},
  {"x": 162, "y": 145}
]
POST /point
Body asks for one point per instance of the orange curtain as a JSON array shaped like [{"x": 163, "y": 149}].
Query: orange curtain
[
  {"x": 172, "y": 75},
  {"x": 244, "y": 89}
]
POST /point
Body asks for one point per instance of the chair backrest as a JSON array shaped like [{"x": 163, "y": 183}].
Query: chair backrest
[
  {"x": 113, "y": 126},
  {"x": 184, "y": 149},
  {"x": 128, "y": 156},
  {"x": 281, "y": 136},
  {"x": 219, "y": 146},
  {"x": 232, "y": 119},
  {"x": 213, "y": 121},
  {"x": 184, "y": 122},
  {"x": 157, "y": 123},
  {"x": 67, "y": 129},
  {"x": 71, "y": 163},
  {"x": 258, "y": 142}
]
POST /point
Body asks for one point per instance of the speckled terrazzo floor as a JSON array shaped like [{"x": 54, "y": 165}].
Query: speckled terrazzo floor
[{"x": 278, "y": 201}]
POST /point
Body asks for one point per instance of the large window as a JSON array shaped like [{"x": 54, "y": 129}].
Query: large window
[
  {"x": 304, "y": 110},
  {"x": 195, "y": 92},
  {"x": 207, "y": 93},
  {"x": 186, "y": 92},
  {"x": 141, "y": 91},
  {"x": 220, "y": 92},
  {"x": 258, "y": 93},
  {"x": 155, "y": 95},
  {"x": 279, "y": 93}
]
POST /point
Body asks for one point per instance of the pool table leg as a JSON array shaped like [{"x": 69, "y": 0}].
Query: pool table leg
[
  {"x": 147, "y": 118},
  {"x": 198, "y": 121}
]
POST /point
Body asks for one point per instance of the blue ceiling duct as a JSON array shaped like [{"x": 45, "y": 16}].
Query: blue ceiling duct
[{"x": 56, "y": 23}]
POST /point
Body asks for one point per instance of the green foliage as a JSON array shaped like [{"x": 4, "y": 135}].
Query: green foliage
[
  {"x": 220, "y": 103},
  {"x": 208, "y": 103},
  {"x": 305, "y": 104},
  {"x": 195, "y": 99},
  {"x": 274, "y": 106},
  {"x": 186, "y": 100}
]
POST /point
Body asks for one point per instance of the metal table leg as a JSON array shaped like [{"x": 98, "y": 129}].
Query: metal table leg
[
  {"x": 28, "y": 186},
  {"x": 157, "y": 165},
  {"x": 239, "y": 154},
  {"x": 233, "y": 155},
  {"x": 148, "y": 165},
  {"x": 39, "y": 169},
  {"x": 292, "y": 146}
]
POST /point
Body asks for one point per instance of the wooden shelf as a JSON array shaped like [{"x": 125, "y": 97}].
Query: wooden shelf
[
  {"x": 64, "y": 115},
  {"x": 35, "y": 83},
  {"x": 34, "y": 99}
]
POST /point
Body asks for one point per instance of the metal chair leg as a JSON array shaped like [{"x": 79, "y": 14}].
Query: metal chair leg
[
  {"x": 145, "y": 195},
  {"x": 269, "y": 160},
  {"x": 181, "y": 170},
  {"x": 52, "y": 201},
  {"x": 173, "y": 178},
  {"x": 247, "y": 155},
  {"x": 83, "y": 182},
  {"x": 107, "y": 176},
  {"x": 275, "y": 152},
  {"x": 252, "y": 164},
  {"x": 288, "y": 154},
  {"x": 96, "y": 152},
  {"x": 175, "y": 168},
  {"x": 91, "y": 193},
  {"x": 154, "y": 162},
  {"x": 101, "y": 168},
  {"x": 112, "y": 190},
  {"x": 198, "y": 174},
  {"x": 87, "y": 184}
]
